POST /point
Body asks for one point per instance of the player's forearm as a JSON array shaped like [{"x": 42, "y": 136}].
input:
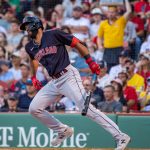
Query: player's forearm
[
  {"x": 34, "y": 67},
  {"x": 82, "y": 49}
]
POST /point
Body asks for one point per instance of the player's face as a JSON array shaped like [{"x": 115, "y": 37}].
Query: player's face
[{"x": 31, "y": 34}]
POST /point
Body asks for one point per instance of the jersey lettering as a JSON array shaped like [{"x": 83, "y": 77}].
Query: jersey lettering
[{"x": 45, "y": 51}]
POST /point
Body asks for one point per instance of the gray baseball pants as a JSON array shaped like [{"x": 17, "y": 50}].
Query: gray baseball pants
[{"x": 70, "y": 85}]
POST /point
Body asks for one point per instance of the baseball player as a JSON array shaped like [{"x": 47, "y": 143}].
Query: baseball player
[{"x": 48, "y": 49}]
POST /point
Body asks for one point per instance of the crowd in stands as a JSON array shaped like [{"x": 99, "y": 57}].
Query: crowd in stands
[{"x": 118, "y": 39}]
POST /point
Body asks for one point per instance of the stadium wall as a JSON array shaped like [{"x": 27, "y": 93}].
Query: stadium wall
[{"x": 22, "y": 130}]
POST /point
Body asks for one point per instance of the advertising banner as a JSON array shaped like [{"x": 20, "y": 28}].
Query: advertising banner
[{"x": 22, "y": 130}]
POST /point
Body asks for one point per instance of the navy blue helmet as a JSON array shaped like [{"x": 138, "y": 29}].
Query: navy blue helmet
[{"x": 34, "y": 23}]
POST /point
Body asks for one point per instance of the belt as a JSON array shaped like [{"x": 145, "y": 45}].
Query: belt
[{"x": 58, "y": 75}]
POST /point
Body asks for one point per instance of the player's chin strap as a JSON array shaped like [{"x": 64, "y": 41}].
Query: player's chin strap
[{"x": 88, "y": 97}]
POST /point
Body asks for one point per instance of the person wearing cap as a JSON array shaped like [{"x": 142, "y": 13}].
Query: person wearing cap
[
  {"x": 5, "y": 74},
  {"x": 15, "y": 69},
  {"x": 25, "y": 99},
  {"x": 96, "y": 17},
  {"x": 12, "y": 104},
  {"x": 110, "y": 105},
  {"x": 71, "y": 4},
  {"x": 123, "y": 57},
  {"x": 118, "y": 94},
  {"x": 134, "y": 79},
  {"x": 129, "y": 93},
  {"x": 20, "y": 86},
  {"x": 78, "y": 25},
  {"x": 103, "y": 78},
  {"x": 111, "y": 34}
]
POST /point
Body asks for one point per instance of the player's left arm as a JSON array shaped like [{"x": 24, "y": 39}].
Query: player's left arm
[{"x": 85, "y": 53}]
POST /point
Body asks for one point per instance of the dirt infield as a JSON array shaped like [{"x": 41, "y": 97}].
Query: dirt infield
[{"x": 63, "y": 149}]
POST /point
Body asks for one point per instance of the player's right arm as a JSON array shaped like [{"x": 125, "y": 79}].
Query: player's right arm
[{"x": 34, "y": 66}]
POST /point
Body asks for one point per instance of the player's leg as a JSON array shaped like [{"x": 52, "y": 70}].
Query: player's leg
[
  {"x": 43, "y": 99},
  {"x": 74, "y": 89}
]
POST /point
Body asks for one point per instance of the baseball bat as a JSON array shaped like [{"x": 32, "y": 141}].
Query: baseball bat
[{"x": 88, "y": 98}]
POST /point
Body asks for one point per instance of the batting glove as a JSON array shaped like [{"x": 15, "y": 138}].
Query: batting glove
[
  {"x": 36, "y": 83},
  {"x": 93, "y": 65}
]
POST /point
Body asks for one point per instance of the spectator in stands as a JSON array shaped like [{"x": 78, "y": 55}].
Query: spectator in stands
[
  {"x": 96, "y": 18},
  {"x": 2, "y": 53},
  {"x": 107, "y": 39},
  {"x": 97, "y": 95},
  {"x": 139, "y": 25},
  {"x": 15, "y": 69},
  {"x": 123, "y": 57},
  {"x": 21, "y": 48},
  {"x": 2, "y": 97},
  {"x": 71, "y": 4},
  {"x": 78, "y": 25},
  {"x": 60, "y": 15},
  {"x": 82, "y": 66},
  {"x": 143, "y": 66},
  {"x": 6, "y": 18},
  {"x": 4, "y": 43},
  {"x": 15, "y": 35},
  {"x": 145, "y": 47},
  {"x": 145, "y": 97},
  {"x": 130, "y": 36},
  {"x": 118, "y": 93},
  {"x": 5, "y": 74},
  {"x": 86, "y": 9},
  {"x": 51, "y": 18},
  {"x": 110, "y": 105},
  {"x": 96, "y": 54},
  {"x": 20, "y": 86},
  {"x": 129, "y": 92},
  {"x": 3, "y": 40},
  {"x": 69, "y": 104},
  {"x": 141, "y": 7},
  {"x": 134, "y": 79},
  {"x": 25, "y": 99},
  {"x": 12, "y": 103},
  {"x": 103, "y": 78}
]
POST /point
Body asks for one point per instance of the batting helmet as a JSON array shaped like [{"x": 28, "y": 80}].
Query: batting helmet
[{"x": 34, "y": 23}]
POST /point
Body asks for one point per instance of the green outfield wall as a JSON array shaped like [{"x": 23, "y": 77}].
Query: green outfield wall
[{"x": 22, "y": 130}]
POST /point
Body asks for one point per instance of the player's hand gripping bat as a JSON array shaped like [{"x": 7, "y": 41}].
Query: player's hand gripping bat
[{"x": 88, "y": 98}]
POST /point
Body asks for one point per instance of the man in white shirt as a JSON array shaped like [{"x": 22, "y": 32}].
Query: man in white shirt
[
  {"x": 114, "y": 71},
  {"x": 96, "y": 16},
  {"x": 78, "y": 25},
  {"x": 103, "y": 79},
  {"x": 16, "y": 61}
]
